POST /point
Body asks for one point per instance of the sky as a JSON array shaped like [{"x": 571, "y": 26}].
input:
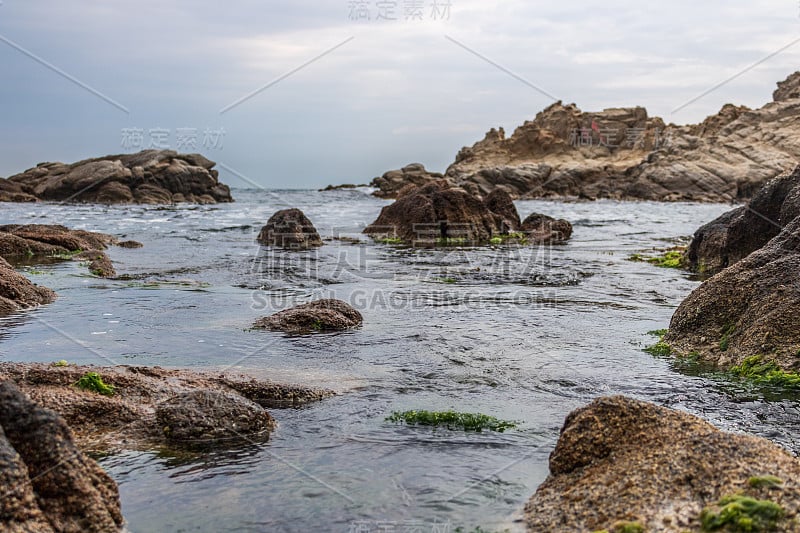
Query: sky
[{"x": 301, "y": 94}]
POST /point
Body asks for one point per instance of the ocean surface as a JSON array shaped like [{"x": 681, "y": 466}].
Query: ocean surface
[{"x": 521, "y": 333}]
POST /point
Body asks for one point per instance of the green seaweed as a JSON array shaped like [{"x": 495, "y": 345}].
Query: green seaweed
[
  {"x": 756, "y": 369},
  {"x": 770, "y": 482},
  {"x": 62, "y": 362},
  {"x": 65, "y": 255},
  {"x": 516, "y": 236},
  {"x": 725, "y": 340},
  {"x": 660, "y": 333},
  {"x": 390, "y": 240},
  {"x": 661, "y": 348},
  {"x": 452, "y": 420},
  {"x": 317, "y": 325},
  {"x": 447, "y": 280},
  {"x": 740, "y": 513},
  {"x": 672, "y": 258},
  {"x": 92, "y": 381},
  {"x": 628, "y": 527},
  {"x": 451, "y": 241}
]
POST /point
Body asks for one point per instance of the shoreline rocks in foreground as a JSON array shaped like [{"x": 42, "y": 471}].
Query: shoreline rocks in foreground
[
  {"x": 624, "y": 154},
  {"x": 146, "y": 177},
  {"x": 143, "y": 408},
  {"x": 48, "y": 484},
  {"x": 623, "y": 465},
  {"x": 290, "y": 229},
  {"x": 317, "y": 316},
  {"x": 440, "y": 214}
]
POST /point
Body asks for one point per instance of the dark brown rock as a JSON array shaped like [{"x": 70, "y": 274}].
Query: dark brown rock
[
  {"x": 390, "y": 183},
  {"x": 737, "y": 233},
  {"x": 150, "y": 176},
  {"x": 543, "y": 229},
  {"x": 500, "y": 203},
  {"x": 290, "y": 229},
  {"x": 319, "y": 315},
  {"x": 72, "y": 493},
  {"x": 624, "y": 460},
  {"x": 206, "y": 416},
  {"x": 17, "y": 292}
]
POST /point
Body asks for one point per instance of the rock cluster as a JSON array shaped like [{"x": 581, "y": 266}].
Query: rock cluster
[{"x": 146, "y": 177}]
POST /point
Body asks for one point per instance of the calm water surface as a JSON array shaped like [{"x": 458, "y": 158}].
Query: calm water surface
[{"x": 525, "y": 334}]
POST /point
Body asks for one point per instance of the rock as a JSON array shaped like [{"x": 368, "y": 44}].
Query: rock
[
  {"x": 150, "y": 176},
  {"x": 290, "y": 229},
  {"x": 203, "y": 417},
  {"x": 788, "y": 89},
  {"x": 620, "y": 460},
  {"x": 319, "y": 315},
  {"x": 747, "y": 309},
  {"x": 17, "y": 292},
  {"x": 734, "y": 235},
  {"x": 501, "y": 203},
  {"x": 196, "y": 405},
  {"x": 54, "y": 486},
  {"x": 390, "y": 183},
  {"x": 436, "y": 213},
  {"x": 543, "y": 229}
]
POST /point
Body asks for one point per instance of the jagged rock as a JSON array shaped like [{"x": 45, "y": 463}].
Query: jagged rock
[
  {"x": 500, "y": 203},
  {"x": 737, "y": 233},
  {"x": 543, "y": 229},
  {"x": 749, "y": 308},
  {"x": 788, "y": 89},
  {"x": 48, "y": 484},
  {"x": 437, "y": 212},
  {"x": 290, "y": 229},
  {"x": 392, "y": 181},
  {"x": 17, "y": 292},
  {"x": 319, "y": 315},
  {"x": 621, "y": 460},
  {"x": 150, "y": 176},
  {"x": 206, "y": 416}
]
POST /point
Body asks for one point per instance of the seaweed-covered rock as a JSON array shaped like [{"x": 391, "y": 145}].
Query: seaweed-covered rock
[
  {"x": 737, "y": 233},
  {"x": 621, "y": 461},
  {"x": 206, "y": 416},
  {"x": 319, "y": 315},
  {"x": 148, "y": 177},
  {"x": 543, "y": 229},
  {"x": 290, "y": 229},
  {"x": 47, "y": 483}
]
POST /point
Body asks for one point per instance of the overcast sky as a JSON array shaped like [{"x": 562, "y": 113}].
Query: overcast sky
[{"x": 386, "y": 93}]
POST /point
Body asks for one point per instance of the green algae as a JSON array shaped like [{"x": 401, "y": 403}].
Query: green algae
[
  {"x": 452, "y": 420},
  {"x": 91, "y": 381},
  {"x": 740, "y": 513}
]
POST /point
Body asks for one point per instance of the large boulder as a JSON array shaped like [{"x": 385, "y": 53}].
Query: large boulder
[
  {"x": 149, "y": 177},
  {"x": 391, "y": 182},
  {"x": 543, "y": 229},
  {"x": 622, "y": 463},
  {"x": 48, "y": 485},
  {"x": 438, "y": 213},
  {"x": 17, "y": 292},
  {"x": 748, "y": 309},
  {"x": 737, "y": 233},
  {"x": 316, "y": 316},
  {"x": 290, "y": 229},
  {"x": 207, "y": 417}
]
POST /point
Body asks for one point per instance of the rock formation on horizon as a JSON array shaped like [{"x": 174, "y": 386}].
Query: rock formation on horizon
[
  {"x": 622, "y": 153},
  {"x": 146, "y": 177}
]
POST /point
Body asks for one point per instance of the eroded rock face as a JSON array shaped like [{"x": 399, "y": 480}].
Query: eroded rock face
[
  {"x": 623, "y": 460},
  {"x": 319, "y": 315},
  {"x": 53, "y": 486},
  {"x": 737, "y": 233},
  {"x": 752, "y": 305},
  {"x": 205, "y": 417},
  {"x": 290, "y": 229},
  {"x": 437, "y": 212},
  {"x": 147, "y": 177},
  {"x": 17, "y": 292},
  {"x": 392, "y": 181}
]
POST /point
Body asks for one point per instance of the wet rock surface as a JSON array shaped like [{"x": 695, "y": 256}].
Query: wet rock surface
[
  {"x": 146, "y": 177},
  {"x": 198, "y": 408},
  {"x": 543, "y": 229},
  {"x": 290, "y": 229},
  {"x": 17, "y": 292},
  {"x": 317, "y": 316},
  {"x": 48, "y": 484},
  {"x": 623, "y": 461}
]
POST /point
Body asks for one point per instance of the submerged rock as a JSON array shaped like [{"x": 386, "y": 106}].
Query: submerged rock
[
  {"x": 622, "y": 462},
  {"x": 748, "y": 309},
  {"x": 737, "y": 233},
  {"x": 17, "y": 292},
  {"x": 48, "y": 485},
  {"x": 319, "y": 315},
  {"x": 290, "y": 229},
  {"x": 146, "y": 177}
]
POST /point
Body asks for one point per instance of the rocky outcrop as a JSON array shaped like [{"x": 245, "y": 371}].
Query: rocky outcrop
[
  {"x": 155, "y": 407},
  {"x": 17, "y": 292},
  {"x": 147, "y": 177},
  {"x": 390, "y": 183},
  {"x": 500, "y": 203},
  {"x": 45, "y": 242},
  {"x": 622, "y": 463},
  {"x": 737, "y": 233},
  {"x": 290, "y": 229},
  {"x": 316, "y": 316},
  {"x": 543, "y": 229},
  {"x": 48, "y": 484},
  {"x": 788, "y": 89},
  {"x": 748, "y": 309}
]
